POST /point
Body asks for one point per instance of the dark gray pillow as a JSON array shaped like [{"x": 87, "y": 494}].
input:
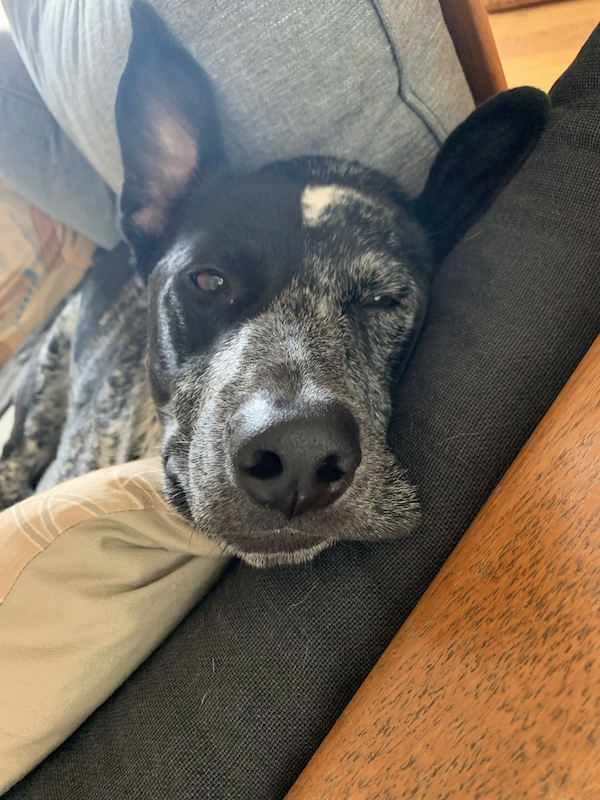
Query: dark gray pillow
[{"x": 233, "y": 705}]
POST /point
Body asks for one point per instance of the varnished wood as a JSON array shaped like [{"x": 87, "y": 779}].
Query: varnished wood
[
  {"x": 492, "y": 687},
  {"x": 467, "y": 22},
  {"x": 536, "y": 45},
  {"x": 494, "y": 6}
]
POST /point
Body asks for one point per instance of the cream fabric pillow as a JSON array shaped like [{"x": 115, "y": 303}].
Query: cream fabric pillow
[{"x": 94, "y": 574}]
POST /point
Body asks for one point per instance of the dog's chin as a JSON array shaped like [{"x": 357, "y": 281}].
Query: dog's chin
[{"x": 265, "y": 549}]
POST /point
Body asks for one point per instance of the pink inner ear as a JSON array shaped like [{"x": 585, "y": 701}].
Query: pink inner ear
[
  {"x": 175, "y": 158},
  {"x": 150, "y": 220}
]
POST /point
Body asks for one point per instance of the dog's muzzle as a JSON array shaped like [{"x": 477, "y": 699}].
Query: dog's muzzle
[{"x": 293, "y": 457}]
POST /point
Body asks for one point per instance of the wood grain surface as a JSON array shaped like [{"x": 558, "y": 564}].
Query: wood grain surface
[{"x": 492, "y": 687}]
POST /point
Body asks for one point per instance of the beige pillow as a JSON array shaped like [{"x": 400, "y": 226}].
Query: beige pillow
[{"x": 94, "y": 574}]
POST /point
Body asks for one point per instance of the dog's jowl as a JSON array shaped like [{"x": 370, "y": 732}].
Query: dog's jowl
[{"x": 265, "y": 325}]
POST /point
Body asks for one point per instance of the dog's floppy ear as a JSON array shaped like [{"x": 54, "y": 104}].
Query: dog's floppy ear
[
  {"x": 168, "y": 128},
  {"x": 476, "y": 160}
]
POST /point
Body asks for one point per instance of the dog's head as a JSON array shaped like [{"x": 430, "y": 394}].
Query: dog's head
[{"x": 284, "y": 305}]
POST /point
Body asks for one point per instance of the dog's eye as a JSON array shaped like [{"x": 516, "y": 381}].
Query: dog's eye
[
  {"x": 381, "y": 301},
  {"x": 210, "y": 281}
]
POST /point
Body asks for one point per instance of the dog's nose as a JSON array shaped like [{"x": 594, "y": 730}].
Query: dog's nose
[{"x": 295, "y": 462}]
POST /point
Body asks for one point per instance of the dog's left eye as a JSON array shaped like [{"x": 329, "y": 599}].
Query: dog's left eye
[
  {"x": 210, "y": 281},
  {"x": 381, "y": 301}
]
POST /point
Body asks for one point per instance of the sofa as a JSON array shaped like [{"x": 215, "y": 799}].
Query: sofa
[{"x": 236, "y": 700}]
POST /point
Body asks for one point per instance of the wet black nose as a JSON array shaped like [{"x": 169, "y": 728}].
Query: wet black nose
[{"x": 295, "y": 462}]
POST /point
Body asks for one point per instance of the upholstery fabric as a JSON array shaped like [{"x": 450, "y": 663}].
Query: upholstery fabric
[
  {"x": 42, "y": 164},
  {"x": 93, "y": 575},
  {"x": 234, "y": 703}
]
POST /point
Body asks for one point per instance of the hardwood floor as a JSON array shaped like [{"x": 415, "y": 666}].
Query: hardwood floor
[{"x": 537, "y": 44}]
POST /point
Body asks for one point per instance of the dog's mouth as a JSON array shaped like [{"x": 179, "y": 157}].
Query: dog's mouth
[
  {"x": 264, "y": 547},
  {"x": 261, "y": 546},
  {"x": 270, "y": 540}
]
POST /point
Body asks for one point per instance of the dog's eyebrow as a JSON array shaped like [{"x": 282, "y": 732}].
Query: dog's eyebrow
[
  {"x": 183, "y": 253},
  {"x": 370, "y": 269}
]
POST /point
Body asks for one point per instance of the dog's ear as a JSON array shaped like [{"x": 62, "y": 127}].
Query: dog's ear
[
  {"x": 477, "y": 159},
  {"x": 168, "y": 129}
]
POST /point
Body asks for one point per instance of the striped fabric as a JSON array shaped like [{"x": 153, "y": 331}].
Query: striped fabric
[{"x": 41, "y": 261}]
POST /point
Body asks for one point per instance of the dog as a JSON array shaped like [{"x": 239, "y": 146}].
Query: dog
[{"x": 266, "y": 321}]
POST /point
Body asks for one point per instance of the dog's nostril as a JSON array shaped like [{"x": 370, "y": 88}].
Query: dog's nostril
[
  {"x": 267, "y": 466},
  {"x": 329, "y": 471}
]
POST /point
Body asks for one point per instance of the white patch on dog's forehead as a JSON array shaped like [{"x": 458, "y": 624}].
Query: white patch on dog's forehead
[{"x": 316, "y": 201}]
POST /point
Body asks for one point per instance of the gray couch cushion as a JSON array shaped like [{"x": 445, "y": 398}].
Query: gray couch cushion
[
  {"x": 232, "y": 706},
  {"x": 344, "y": 78}
]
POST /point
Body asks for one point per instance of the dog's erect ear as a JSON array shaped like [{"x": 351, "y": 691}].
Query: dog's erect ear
[
  {"x": 477, "y": 159},
  {"x": 168, "y": 128}
]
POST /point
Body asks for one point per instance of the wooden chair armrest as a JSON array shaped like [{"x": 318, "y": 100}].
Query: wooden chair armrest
[
  {"x": 468, "y": 25},
  {"x": 492, "y": 687}
]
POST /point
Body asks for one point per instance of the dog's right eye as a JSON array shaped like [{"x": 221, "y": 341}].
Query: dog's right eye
[{"x": 210, "y": 281}]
